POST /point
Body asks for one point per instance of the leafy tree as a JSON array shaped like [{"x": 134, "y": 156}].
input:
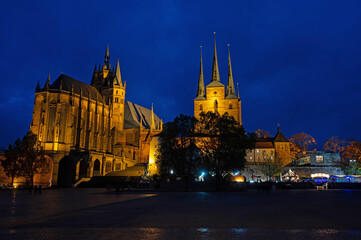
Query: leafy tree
[
  {"x": 335, "y": 144},
  {"x": 223, "y": 142},
  {"x": 11, "y": 161},
  {"x": 177, "y": 148},
  {"x": 351, "y": 168},
  {"x": 304, "y": 141},
  {"x": 351, "y": 158},
  {"x": 272, "y": 166},
  {"x": 294, "y": 150},
  {"x": 32, "y": 159},
  {"x": 352, "y": 151}
]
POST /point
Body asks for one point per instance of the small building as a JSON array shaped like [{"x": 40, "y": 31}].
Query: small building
[{"x": 316, "y": 163}]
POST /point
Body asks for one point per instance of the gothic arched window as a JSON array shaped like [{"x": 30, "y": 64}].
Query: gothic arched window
[
  {"x": 230, "y": 106},
  {"x": 201, "y": 107}
]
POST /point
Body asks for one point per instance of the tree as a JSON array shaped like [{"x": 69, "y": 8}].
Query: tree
[
  {"x": 351, "y": 158},
  {"x": 335, "y": 144},
  {"x": 272, "y": 166},
  {"x": 262, "y": 133},
  {"x": 304, "y": 141},
  {"x": 223, "y": 142},
  {"x": 11, "y": 161},
  {"x": 32, "y": 158},
  {"x": 294, "y": 150},
  {"x": 177, "y": 148}
]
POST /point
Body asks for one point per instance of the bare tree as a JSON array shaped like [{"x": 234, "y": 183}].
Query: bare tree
[
  {"x": 335, "y": 144},
  {"x": 262, "y": 133},
  {"x": 304, "y": 141}
]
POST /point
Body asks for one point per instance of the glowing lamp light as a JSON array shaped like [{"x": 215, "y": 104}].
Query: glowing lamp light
[
  {"x": 239, "y": 179},
  {"x": 171, "y": 172},
  {"x": 203, "y": 173}
]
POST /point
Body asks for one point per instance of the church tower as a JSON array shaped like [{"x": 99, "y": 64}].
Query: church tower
[
  {"x": 215, "y": 98},
  {"x": 109, "y": 83}
]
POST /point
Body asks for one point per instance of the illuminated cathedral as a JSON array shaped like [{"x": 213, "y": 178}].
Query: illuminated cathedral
[{"x": 91, "y": 130}]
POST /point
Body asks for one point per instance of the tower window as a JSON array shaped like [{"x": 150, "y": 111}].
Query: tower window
[
  {"x": 215, "y": 92},
  {"x": 116, "y": 92},
  {"x": 116, "y": 100},
  {"x": 201, "y": 107},
  {"x": 230, "y": 106}
]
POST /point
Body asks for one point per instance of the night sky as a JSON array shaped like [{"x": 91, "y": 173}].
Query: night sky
[{"x": 298, "y": 63}]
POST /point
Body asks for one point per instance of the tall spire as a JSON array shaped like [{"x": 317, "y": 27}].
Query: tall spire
[
  {"x": 215, "y": 70},
  {"x": 201, "y": 91},
  {"x": 231, "y": 93},
  {"x": 93, "y": 77},
  {"x": 118, "y": 77},
  {"x": 152, "y": 123},
  {"x": 107, "y": 53},
  {"x": 47, "y": 83},
  {"x": 37, "y": 89},
  {"x": 237, "y": 91},
  {"x": 106, "y": 57}
]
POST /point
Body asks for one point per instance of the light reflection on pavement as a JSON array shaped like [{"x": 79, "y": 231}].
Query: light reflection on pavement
[{"x": 103, "y": 214}]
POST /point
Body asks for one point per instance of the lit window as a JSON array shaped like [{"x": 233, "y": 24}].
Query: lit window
[{"x": 319, "y": 159}]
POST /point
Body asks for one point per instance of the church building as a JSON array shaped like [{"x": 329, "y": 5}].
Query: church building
[
  {"x": 91, "y": 130},
  {"x": 215, "y": 97}
]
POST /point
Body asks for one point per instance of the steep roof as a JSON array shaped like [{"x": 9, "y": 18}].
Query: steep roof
[
  {"x": 67, "y": 83},
  {"x": 133, "y": 114},
  {"x": 280, "y": 137}
]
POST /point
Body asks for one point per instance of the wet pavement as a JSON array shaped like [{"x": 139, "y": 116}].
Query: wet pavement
[{"x": 103, "y": 214}]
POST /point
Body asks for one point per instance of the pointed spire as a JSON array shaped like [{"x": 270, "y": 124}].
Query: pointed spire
[
  {"x": 47, "y": 83},
  {"x": 107, "y": 53},
  {"x": 201, "y": 91},
  {"x": 141, "y": 121},
  {"x": 152, "y": 124},
  {"x": 93, "y": 77},
  {"x": 215, "y": 70},
  {"x": 237, "y": 91},
  {"x": 106, "y": 58},
  {"x": 118, "y": 77},
  {"x": 278, "y": 128},
  {"x": 231, "y": 93},
  {"x": 37, "y": 89}
]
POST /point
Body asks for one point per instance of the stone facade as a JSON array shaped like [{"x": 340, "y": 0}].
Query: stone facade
[{"x": 90, "y": 130}]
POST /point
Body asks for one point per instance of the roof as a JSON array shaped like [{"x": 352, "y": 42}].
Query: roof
[
  {"x": 264, "y": 144},
  {"x": 215, "y": 84},
  {"x": 133, "y": 113},
  {"x": 67, "y": 83},
  {"x": 280, "y": 137}
]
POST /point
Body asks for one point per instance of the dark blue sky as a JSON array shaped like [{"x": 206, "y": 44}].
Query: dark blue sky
[{"x": 298, "y": 63}]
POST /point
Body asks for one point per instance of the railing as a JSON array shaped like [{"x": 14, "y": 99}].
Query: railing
[{"x": 81, "y": 180}]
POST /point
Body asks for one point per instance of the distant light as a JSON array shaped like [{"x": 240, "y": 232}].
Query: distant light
[
  {"x": 171, "y": 172},
  {"x": 203, "y": 173},
  {"x": 251, "y": 181},
  {"x": 236, "y": 173}
]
